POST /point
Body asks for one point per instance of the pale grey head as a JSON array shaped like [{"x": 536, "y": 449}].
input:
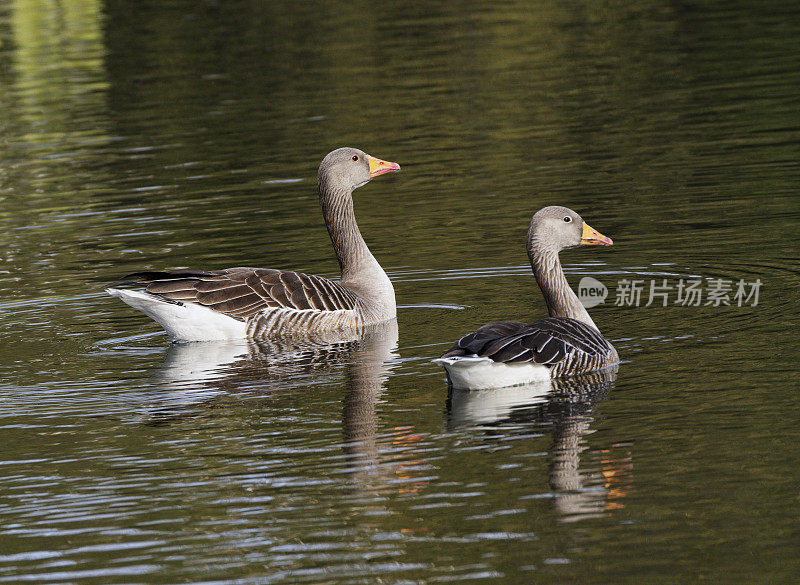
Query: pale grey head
[
  {"x": 557, "y": 228},
  {"x": 554, "y": 229},
  {"x": 350, "y": 168},
  {"x": 340, "y": 172}
]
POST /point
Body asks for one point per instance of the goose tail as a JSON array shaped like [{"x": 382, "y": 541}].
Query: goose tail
[
  {"x": 183, "y": 321},
  {"x": 476, "y": 373}
]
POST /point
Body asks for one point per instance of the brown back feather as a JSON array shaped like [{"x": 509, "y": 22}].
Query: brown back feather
[{"x": 243, "y": 292}]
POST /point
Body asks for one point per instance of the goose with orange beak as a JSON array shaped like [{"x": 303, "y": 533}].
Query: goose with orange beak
[
  {"x": 567, "y": 343},
  {"x": 234, "y": 303}
]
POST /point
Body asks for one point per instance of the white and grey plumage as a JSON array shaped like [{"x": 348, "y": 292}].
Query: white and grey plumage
[
  {"x": 198, "y": 305},
  {"x": 506, "y": 353}
]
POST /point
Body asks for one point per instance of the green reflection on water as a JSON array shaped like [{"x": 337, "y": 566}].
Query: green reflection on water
[{"x": 58, "y": 68}]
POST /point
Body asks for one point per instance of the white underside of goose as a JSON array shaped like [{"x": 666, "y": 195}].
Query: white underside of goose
[
  {"x": 185, "y": 321},
  {"x": 480, "y": 373}
]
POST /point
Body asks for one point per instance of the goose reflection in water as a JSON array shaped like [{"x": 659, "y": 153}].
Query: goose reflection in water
[
  {"x": 201, "y": 377},
  {"x": 562, "y": 407},
  {"x": 195, "y": 373}
]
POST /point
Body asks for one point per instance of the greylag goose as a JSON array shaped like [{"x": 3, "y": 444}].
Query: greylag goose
[
  {"x": 235, "y": 303},
  {"x": 507, "y": 353}
]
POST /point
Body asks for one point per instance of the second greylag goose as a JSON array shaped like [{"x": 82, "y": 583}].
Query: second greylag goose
[
  {"x": 507, "y": 353},
  {"x": 199, "y": 305}
]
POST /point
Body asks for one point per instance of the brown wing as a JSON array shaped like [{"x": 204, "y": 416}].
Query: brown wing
[
  {"x": 243, "y": 292},
  {"x": 554, "y": 342}
]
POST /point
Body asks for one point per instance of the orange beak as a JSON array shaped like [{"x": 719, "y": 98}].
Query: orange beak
[
  {"x": 591, "y": 237},
  {"x": 380, "y": 167}
]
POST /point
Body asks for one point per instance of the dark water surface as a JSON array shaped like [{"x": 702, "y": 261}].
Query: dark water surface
[{"x": 187, "y": 134}]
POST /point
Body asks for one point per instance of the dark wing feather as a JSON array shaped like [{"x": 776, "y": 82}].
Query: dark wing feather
[
  {"x": 512, "y": 353},
  {"x": 243, "y": 292},
  {"x": 280, "y": 294},
  {"x": 548, "y": 341},
  {"x": 316, "y": 295},
  {"x": 477, "y": 342}
]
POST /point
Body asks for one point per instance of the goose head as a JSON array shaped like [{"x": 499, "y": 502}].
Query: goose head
[
  {"x": 557, "y": 228},
  {"x": 350, "y": 168}
]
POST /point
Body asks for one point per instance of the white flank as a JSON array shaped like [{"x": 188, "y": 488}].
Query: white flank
[
  {"x": 184, "y": 322},
  {"x": 477, "y": 373}
]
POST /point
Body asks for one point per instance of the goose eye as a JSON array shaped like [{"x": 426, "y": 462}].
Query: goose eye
[
  {"x": 567, "y": 219},
  {"x": 355, "y": 157}
]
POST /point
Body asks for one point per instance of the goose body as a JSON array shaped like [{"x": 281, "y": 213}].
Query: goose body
[
  {"x": 235, "y": 303},
  {"x": 568, "y": 343}
]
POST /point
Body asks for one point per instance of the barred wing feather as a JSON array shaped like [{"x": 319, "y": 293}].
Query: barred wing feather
[
  {"x": 241, "y": 293},
  {"x": 560, "y": 343}
]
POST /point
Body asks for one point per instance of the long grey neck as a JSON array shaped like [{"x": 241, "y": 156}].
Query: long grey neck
[
  {"x": 560, "y": 298},
  {"x": 360, "y": 271}
]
